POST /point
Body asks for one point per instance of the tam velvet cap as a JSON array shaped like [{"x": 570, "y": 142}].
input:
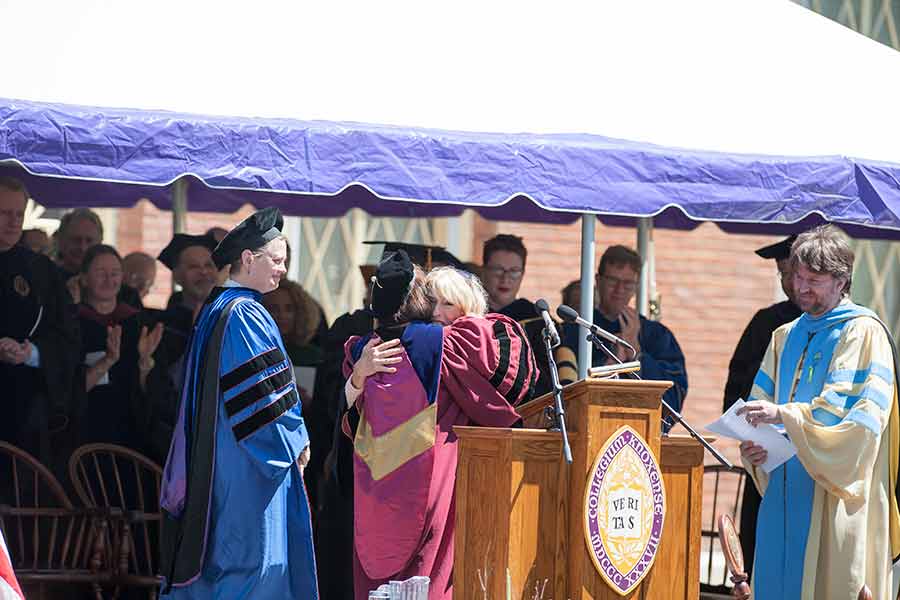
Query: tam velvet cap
[
  {"x": 390, "y": 285},
  {"x": 252, "y": 233},
  {"x": 180, "y": 242},
  {"x": 779, "y": 250}
]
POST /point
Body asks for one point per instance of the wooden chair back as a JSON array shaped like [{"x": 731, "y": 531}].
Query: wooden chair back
[
  {"x": 115, "y": 477},
  {"x": 723, "y": 488},
  {"x": 734, "y": 557},
  {"x": 50, "y": 541}
]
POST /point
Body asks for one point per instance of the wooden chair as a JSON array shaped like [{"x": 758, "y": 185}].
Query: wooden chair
[
  {"x": 734, "y": 557},
  {"x": 118, "y": 478},
  {"x": 52, "y": 544},
  {"x": 727, "y": 486}
]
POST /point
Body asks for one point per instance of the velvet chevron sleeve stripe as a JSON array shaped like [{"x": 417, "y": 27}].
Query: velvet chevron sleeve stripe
[
  {"x": 502, "y": 336},
  {"x": 269, "y": 385},
  {"x": 255, "y": 365},
  {"x": 266, "y": 415},
  {"x": 525, "y": 360}
]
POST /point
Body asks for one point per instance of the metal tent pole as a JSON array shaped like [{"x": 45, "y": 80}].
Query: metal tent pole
[
  {"x": 588, "y": 248},
  {"x": 645, "y": 249},
  {"x": 179, "y": 205}
]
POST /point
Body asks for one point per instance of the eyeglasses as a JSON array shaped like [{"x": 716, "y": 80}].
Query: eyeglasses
[
  {"x": 627, "y": 284},
  {"x": 499, "y": 272}
]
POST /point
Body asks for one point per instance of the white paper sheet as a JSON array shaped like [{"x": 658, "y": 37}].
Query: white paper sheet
[
  {"x": 736, "y": 427},
  {"x": 91, "y": 359},
  {"x": 306, "y": 378}
]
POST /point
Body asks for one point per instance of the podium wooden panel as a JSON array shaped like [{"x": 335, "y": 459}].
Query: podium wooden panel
[{"x": 519, "y": 506}]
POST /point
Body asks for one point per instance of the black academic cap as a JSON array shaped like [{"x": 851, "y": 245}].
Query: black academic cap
[
  {"x": 171, "y": 253},
  {"x": 252, "y": 233},
  {"x": 391, "y": 284},
  {"x": 779, "y": 250},
  {"x": 422, "y": 255}
]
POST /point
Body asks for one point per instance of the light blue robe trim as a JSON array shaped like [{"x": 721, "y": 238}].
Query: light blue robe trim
[
  {"x": 858, "y": 376},
  {"x": 765, "y": 382},
  {"x": 847, "y": 402},
  {"x": 825, "y": 418},
  {"x": 864, "y": 419}
]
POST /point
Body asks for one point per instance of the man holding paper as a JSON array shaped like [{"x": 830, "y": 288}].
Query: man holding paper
[{"x": 828, "y": 522}]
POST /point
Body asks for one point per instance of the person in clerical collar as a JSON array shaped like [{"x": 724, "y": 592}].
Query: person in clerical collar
[
  {"x": 502, "y": 272},
  {"x": 235, "y": 468},
  {"x": 654, "y": 344}
]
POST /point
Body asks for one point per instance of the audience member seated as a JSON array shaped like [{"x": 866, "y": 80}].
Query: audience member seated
[
  {"x": 80, "y": 229},
  {"x": 504, "y": 259},
  {"x": 117, "y": 355},
  {"x": 140, "y": 272},
  {"x": 39, "y": 341},
  {"x": 657, "y": 349},
  {"x": 37, "y": 241}
]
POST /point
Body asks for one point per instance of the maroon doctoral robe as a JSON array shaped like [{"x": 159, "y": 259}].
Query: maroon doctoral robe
[{"x": 405, "y": 447}]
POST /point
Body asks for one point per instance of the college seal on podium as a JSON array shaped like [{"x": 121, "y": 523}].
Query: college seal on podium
[{"x": 624, "y": 510}]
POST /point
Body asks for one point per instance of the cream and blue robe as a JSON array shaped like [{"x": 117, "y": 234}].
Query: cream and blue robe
[{"x": 828, "y": 521}]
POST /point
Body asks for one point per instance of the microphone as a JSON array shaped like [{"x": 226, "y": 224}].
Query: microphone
[
  {"x": 549, "y": 324},
  {"x": 570, "y": 315}
]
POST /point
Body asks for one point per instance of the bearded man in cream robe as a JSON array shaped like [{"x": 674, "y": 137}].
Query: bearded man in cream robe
[{"x": 828, "y": 522}]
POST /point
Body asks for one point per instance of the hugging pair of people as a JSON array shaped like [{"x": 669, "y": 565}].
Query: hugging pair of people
[{"x": 435, "y": 360}]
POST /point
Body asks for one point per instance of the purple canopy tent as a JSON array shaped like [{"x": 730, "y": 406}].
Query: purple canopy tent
[{"x": 75, "y": 155}]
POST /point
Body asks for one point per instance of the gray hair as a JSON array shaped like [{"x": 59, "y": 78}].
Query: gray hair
[
  {"x": 76, "y": 214},
  {"x": 825, "y": 249}
]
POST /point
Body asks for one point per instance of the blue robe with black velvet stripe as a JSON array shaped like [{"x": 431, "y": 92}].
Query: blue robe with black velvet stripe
[{"x": 246, "y": 532}]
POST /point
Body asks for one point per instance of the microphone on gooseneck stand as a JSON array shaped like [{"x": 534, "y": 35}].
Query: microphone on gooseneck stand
[
  {"x": 549, "y": 324},
  {"x": 570, "y": 315},
  {"x": 551, "y": 340}
]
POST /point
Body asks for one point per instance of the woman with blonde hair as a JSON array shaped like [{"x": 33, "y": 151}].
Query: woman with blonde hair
[
  {"x": 456, "y": 294},
  {"x": 408, "y": 384}
]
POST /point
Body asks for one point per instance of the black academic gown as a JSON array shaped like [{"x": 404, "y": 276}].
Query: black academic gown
[
  {"x": 526, "y": 314},
  {"x": 110, "y": 410},
  {"x": 38, "y": 400},
  {"x": 162, "y": 393},
  {"x": 334, "y": 500},
  {"x": 745, "y": 362}
]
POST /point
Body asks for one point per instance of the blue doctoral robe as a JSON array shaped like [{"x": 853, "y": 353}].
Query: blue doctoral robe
[{"x": 237, "y": 521}]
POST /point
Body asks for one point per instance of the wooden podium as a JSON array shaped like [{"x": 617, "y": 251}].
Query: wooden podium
[{"x": 519, "y": 519}]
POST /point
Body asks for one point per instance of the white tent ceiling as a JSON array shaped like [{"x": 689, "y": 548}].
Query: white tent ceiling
[{"x": 748, "y": 76}]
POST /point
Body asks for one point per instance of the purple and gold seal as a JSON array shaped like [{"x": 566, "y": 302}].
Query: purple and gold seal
[{"x": 624, "y": 510}]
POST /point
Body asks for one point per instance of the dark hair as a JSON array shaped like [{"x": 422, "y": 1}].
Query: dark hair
[
  {"x": 620, "y": 255},
  {"x": 418, "y": 305},
  {"x": 99, "y": 250},
  {"x": 12, "y": 184},
  {"x": 307, "y": 316},
  {"x": 825, "y": 249},
  {"x": 504, "y": 241}
]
